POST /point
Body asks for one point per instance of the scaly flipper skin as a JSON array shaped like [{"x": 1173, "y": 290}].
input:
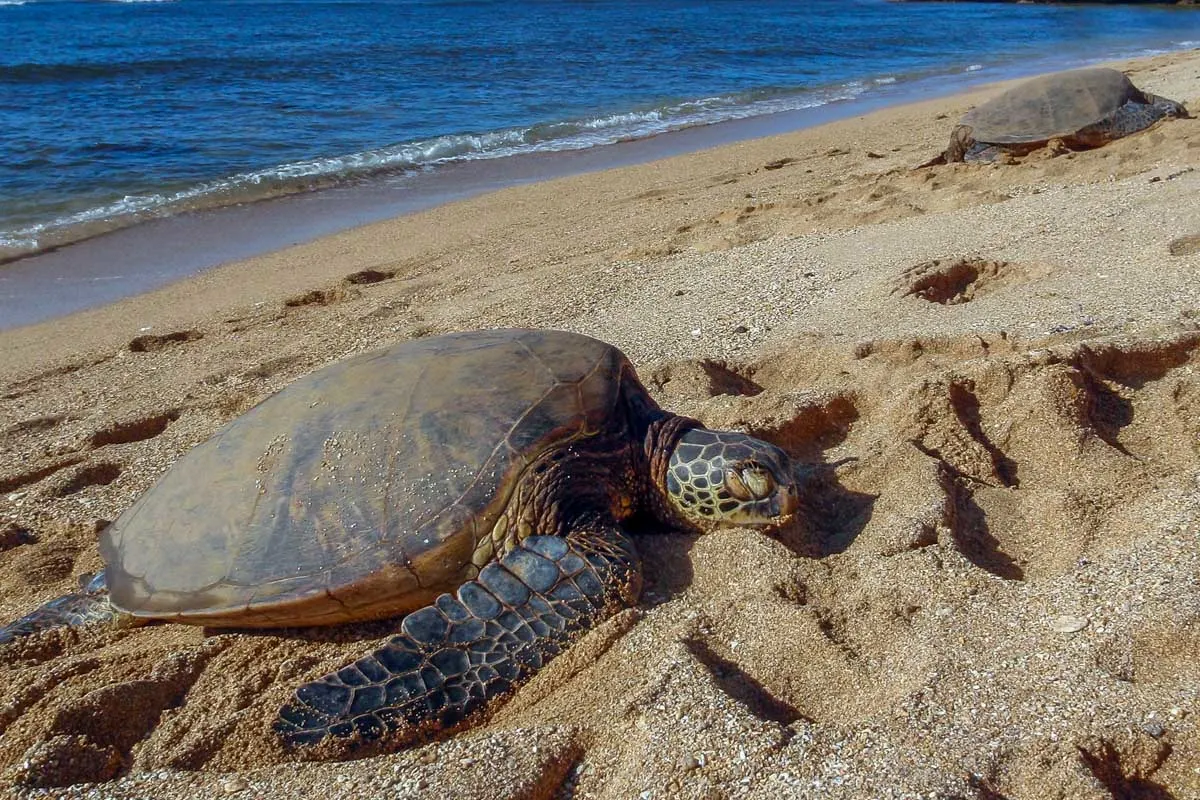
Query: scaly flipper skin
[
  {"x": 454, "y": 657},
  {"x": 89, "y": 605}
]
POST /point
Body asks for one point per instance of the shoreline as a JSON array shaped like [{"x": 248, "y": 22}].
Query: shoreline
[{"x": 144, "y": 256}]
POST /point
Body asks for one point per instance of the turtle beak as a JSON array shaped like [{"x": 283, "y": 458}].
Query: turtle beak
[
  {"x": 787, "y": 504},
  {"x": 789, "y": 501},
  {"x": 778, "y": 509}
]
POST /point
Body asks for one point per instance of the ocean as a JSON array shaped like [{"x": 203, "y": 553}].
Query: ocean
[{"x": 116, "y": 112}]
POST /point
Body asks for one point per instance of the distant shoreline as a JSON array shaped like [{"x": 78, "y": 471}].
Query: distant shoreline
[{"x": 144, "y": 256}]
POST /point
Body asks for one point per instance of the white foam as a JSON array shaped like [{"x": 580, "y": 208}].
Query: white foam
[{"x": 301, "y": 176}]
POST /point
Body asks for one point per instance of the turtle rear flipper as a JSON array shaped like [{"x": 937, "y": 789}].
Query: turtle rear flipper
[
  {"x": 454, "y": 657},
  {"x": 88, "y": 605}
]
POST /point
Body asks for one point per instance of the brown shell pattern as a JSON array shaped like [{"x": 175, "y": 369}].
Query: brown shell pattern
[
  {"x": 1052, "y": 105},
  {"x": 359, "y": 491}
]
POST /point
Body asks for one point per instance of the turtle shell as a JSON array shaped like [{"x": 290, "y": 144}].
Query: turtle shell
[
  {"x": 360, "y": 491},
  {"x": 1050, "y": 106}
]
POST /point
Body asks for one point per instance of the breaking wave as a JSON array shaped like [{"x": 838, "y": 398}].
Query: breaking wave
[{"x": 319, "y": 173}]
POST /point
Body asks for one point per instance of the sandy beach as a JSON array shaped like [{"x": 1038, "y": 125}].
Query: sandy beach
[{"x": 988, "y": 374}]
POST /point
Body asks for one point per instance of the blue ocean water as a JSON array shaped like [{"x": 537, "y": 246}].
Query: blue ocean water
[{"x": 112, "y": 112}]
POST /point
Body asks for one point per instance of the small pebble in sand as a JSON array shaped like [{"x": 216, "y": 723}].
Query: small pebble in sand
[
  {"x": 234, "y": 785},
  {"x": 1068, "y": 624},
  {"x": 1153, "y": 728},
  {"x": 688, "y": 762}
]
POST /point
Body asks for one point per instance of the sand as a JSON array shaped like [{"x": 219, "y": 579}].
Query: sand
[{"x": 988, "y": 374}]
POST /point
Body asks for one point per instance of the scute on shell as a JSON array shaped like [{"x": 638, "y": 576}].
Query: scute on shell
[
  {"x": 1049, "y": 106},
  {"x": 360, "y": 490}
]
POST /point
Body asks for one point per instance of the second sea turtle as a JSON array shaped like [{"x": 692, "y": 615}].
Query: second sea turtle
[{"x": 1083, "y": 108}]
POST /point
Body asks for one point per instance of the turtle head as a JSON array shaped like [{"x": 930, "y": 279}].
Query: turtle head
[{"x": 719, "y": 477}]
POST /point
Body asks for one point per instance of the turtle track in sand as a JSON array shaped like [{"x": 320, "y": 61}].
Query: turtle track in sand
[
  {"x": 929, "y": 465},
  {"x": 81, "y": 471},
  {"x": 960, "y": 471},
  {"x": 33, "y": 383},
  {"x": 742, "y": 686},
  {"x": 14, "y": 535},
  {"x": 92, "y": 736},
  {"x": 100, "y": 473},
  {"x": 1124, "y": 770},
  {"x": 1185, "y": 245}
]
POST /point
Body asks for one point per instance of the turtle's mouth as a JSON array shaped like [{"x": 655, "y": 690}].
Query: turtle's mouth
[
  {"x": 789, "y": 502},
  {"x": 778, "y": 509}
]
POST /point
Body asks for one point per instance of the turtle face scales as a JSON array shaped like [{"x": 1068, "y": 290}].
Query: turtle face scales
[{"x": 719, "y": 477}]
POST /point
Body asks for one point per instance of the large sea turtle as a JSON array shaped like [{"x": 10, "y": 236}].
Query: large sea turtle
[
  {"x": 478, "y": 482},
  {"x": 1083, "y": 108}
]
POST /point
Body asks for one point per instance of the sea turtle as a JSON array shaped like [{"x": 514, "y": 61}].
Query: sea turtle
[
  {"x": 1083, "y": 108},
  {"x": 477, "y": 482}
]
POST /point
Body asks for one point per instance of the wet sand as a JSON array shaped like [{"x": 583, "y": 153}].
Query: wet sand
[
  {"x": 137, "y": 259},
  {"x": 988, "y": 373}
]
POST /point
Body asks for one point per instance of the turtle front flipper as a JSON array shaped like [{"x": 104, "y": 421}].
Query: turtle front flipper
[
  {"x": 89, "y": 604},
  {"x": 454, "y": 657}
]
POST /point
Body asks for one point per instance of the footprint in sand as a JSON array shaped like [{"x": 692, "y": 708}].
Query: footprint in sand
[
  {"x": 14, "y": 535},
  {"x": 12, "y": 482},
  {"x": 1185, "y": 245},
  {"x": 34, "y": 425},
  {"x": 99, "y": 474},
  {"x": 368, "y": 276},
  {"x": 955, "y": 281},
  {"x": 135, "y": 430},
  {"x": 705, "y": 378},
  {"x": 152, "y": 344},
  {"x": 272, "y": 367},
  {"x": 317, "y": 297},
  {"x": 779, "y": 163}
]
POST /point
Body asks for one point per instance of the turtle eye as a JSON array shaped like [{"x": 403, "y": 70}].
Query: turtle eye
[{"x": 749, "y": 482}]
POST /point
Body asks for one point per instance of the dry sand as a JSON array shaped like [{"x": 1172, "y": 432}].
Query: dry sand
[{"x": 988, "y": 372}]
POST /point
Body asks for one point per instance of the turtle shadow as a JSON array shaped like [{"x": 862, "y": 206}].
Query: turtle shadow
[
  {"x": 831, "y": 516},
  {"x": 341, "y": 633},
  {"x": 666, "y": 561}
]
